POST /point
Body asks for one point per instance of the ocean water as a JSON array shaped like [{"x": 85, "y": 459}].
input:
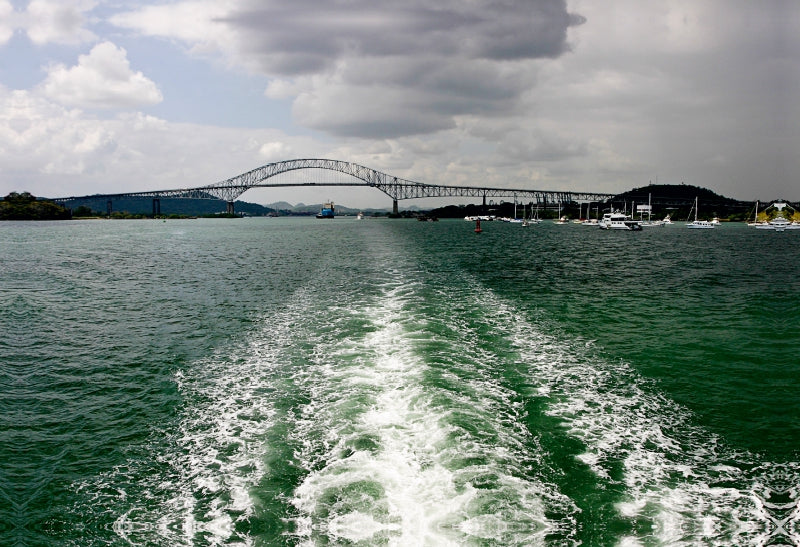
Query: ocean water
[{"x": 377, "y": 382}]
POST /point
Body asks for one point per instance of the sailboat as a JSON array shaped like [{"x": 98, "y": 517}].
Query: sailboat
[
  {"x": 649, "y": 208},
  {"x": 535, "y": 219},
  {"x": 592, "y": 221},
  {"x": 561, "y": 220},
  {"x": 516, "y": 219},
  {"x": 756, "y": 223},
  {"x": 703, "y": 224},
  {"x": 580, "y": 218}
]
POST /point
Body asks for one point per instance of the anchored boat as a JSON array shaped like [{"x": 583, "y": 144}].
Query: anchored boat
[
  {"x": 699, "y": 224},
  {"x": 327, "y": 211},
  {"x": 618, "y": 221}
]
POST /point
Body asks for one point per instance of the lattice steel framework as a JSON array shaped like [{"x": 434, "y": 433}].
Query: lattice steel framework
[{"x": 394, "y": 187}]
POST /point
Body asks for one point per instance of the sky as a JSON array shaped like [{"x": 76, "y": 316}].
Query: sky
[{"x": 108, "y": 96}]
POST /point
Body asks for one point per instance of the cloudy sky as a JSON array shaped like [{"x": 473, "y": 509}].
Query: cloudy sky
[{"x": 103, "y": 96}]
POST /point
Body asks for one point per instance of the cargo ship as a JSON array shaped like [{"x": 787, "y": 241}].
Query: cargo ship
[{"x": 327, "y": 211}]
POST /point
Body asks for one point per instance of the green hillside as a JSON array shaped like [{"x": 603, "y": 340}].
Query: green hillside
[{"x": 675, "y": 200}]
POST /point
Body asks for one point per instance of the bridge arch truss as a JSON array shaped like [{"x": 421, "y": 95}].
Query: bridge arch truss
[{"x": 395, "y": 187}]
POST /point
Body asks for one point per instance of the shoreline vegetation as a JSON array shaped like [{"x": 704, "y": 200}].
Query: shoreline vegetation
[
  {"x": 25, "y": 206},
  {"x": 674, "y": 200}
]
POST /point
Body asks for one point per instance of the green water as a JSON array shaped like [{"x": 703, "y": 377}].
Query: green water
[{"x": 377, "y": 382}]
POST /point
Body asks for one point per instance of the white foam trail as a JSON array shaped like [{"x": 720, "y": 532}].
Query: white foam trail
[
  {"x": 385, "y": 471},
  {"x": 670, "y": 468},
  {"x": 217, "y": 453},
  {"x": 391, "y": 457}
]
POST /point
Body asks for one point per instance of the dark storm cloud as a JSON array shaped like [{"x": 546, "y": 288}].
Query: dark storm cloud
[
  {"x": 451, "y": 58},
  {"x": 305, "y": 35}
]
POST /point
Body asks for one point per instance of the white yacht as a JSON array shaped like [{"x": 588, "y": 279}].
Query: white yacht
[
  {"x": 700, "y": 224},
  {"x": 779, "y": 224},
  {"x": 618, "y": 221}
]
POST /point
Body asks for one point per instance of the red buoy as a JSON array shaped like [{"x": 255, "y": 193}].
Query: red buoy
[{"x": 478, "y": 226}]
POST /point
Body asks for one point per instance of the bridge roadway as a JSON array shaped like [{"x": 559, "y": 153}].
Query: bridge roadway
[{"x": 394, "y": 187}]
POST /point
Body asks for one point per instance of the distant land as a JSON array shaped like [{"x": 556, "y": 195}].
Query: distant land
[
  {"x": 98, "y": 206},
  {"x": 674, "y": 199}
]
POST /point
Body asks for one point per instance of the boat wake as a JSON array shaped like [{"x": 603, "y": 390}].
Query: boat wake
[
  {"x": 395, "y": 455},
  {"x": 681, "y": 484},
  {"x": 426, "y": 413},
  {"x": 192, "y": 483}
]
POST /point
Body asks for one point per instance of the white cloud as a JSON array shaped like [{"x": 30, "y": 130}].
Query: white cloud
[
  {"x": 53, "y": 151},
  {"x": 274, "y": 151},
  {"x": 40, "y": 136},
  {"x": 700, "y": 92},
  {"x": 201, "y": 24},
  {"x": 364, "y": 70},
  {"x": 101, "y": 79},
  {"x": 58, "y": 21},
  {"x": 7, "y": 21},
  {"x": 283, "y": 89}
]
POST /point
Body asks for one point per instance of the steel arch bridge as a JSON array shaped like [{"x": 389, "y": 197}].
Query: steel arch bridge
[{"x": 394, "y": 187}]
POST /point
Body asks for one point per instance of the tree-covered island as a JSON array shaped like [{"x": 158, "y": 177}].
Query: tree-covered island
[{"x": 25, "y": 206}]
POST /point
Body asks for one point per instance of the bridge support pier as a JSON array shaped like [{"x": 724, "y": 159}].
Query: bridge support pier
[
  {"x": 156, "y": 207},
  {"x": 230, "y": 208},
  {"x": 395, "y": 211}
]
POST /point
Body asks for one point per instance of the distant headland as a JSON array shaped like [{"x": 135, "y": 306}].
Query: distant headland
[
  {"x": 24, "y": 206},
  {"x": 673, "y": 199}
]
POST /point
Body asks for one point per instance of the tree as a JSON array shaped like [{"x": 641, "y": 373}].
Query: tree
[
  {"x": 24, "y": 206},
  {"x": 83, "y": 211}
]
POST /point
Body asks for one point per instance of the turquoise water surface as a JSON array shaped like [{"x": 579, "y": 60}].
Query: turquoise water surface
[{"x": 388, "y": 382}]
